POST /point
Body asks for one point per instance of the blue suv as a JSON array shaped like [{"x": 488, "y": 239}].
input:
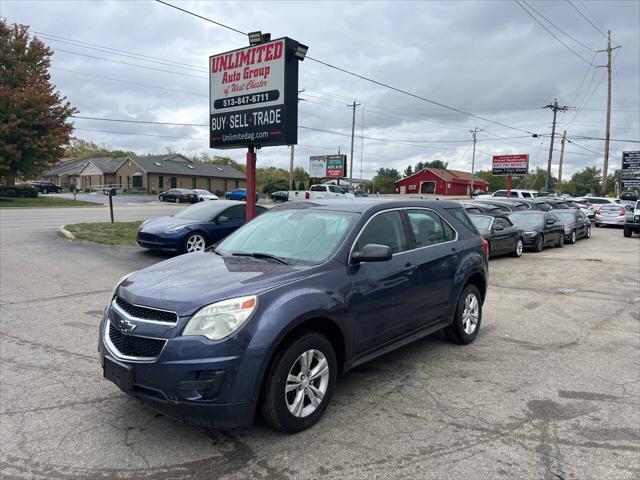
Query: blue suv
[
  {"x": 238, "y": 194},
  {"x": 271, "y": 317}
]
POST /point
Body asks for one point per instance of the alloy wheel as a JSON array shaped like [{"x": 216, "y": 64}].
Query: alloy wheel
[
  {"x": 195, "y": 243},
  {"x": 573, "y": 237},
  {"x": 470, "y": 313},
  {"x": 307, "y": 383},
  {"x": 519, "y": 248},
  {"x": 589, "y": 231}
]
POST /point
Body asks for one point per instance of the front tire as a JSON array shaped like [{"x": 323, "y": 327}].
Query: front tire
[
  {"x": 300, "y": 383},
  {"x": 539, "y": 245},
  {"x": 466, "y": 322},
  {"x": 195, "y": 243},
  {"x": 45, "y": 191},
  {"x": 519, "y": 247},
  {"x": 588, "y": 232},
  {"x": 573, "y": 237},
  {"x": 177, "y": 200},
  {"x": 560, "y": 243},
  {"x": 627, "y": 232}
]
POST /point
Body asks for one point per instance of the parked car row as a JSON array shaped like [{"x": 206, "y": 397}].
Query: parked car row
[{"x": 46, "y": 187}]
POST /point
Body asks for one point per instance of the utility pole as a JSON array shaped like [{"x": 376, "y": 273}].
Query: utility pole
[
  {"x": 353, "y": 132},
  {"x": 291, "y": 168},
  {"x": 555, "y": 108},
  {"x": 564, "y": 139},
  {"x": 473, "y": 158},
  {"x": 608, "y": 127}
]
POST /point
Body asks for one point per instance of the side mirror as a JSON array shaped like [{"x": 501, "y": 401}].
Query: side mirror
[
  {"x": 222, "y": 219},
  {"x": 372, "y": 252}
]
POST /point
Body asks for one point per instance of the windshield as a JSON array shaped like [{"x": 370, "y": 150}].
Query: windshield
[
  {"x": 528, "y": 218},
  {"x": 481, "y": 222},
  {"x": 307, "y": 236},
  {"x": 566, "y": 217},
  {"x": 201, "y": 212}
]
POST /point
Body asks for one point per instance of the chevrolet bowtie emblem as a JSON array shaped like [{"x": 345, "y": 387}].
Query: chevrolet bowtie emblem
[{"x": 124, "y": 325}]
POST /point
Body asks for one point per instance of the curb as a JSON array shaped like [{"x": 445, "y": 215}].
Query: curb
[{"x": 66, "y": 233}]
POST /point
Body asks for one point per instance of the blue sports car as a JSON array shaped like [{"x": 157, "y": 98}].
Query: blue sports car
[
  {"x": 238, "y": 194},
  {"x": 194, "y": 228}
]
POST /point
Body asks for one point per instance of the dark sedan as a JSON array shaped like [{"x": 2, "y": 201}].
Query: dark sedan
[
  {"x": 272, "y": 317},
  {"x": 179, "y": 195},
  {"x": 503, "y": 236},
  {"x": 478, "y": 208},
  {"x": 541, "y": 229},
  {"x": 46, "y": 187},
  {"x": 576, "y": 224},
  {"x": 194, "y": 228},
  {"x": 280, "y": 196}
]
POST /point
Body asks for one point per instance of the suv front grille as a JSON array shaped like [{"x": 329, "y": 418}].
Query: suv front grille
[
  {"x": 146, "y": 313},
  {"x": 133, "y": 346}
]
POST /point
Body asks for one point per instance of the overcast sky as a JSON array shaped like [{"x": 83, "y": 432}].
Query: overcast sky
[{"x": 488, "y": 58}]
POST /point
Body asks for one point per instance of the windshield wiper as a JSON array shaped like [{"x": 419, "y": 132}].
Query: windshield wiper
[{"x": 261, "y": 255}]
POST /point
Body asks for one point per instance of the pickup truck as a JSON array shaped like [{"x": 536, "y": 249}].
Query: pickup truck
[{"x": 323, "y": 191}]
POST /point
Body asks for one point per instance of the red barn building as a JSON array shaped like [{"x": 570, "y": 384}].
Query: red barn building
[{"x": 440, "y": 181}]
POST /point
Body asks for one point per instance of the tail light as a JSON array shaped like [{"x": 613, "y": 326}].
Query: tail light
[
  {"x": 623, "y": 212},
  {"x": 306, "y": 195},
  {"x": 485, "y": 247},
  {"x": 598, "y": 211}
]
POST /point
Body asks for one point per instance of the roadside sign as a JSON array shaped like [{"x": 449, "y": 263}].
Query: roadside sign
[
  {"x": 510, "y": 165},
  {"x": 630, "y": 175},
  {"x": 328, "y": 166},
  {"x": 254, "y": 96}
]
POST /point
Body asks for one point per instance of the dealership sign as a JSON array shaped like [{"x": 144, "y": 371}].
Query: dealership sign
[
  {"x": 630, "y": 170},
  {"x": 254, "y": 96},
  {"x": 511, "y": 165},
  {"x": 328, "y": 166}
]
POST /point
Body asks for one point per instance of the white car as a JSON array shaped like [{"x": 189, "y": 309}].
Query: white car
[
  {"x": 610, "y": 214},
  {"x": 327, "y": 191},
  {"x": 204, "y": 195},
  {"x": 515, "y": 193}
]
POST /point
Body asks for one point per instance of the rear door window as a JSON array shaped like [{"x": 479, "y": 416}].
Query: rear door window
[
  {"x": 503, "y": 222},
  {"x": 429, "y": 228},
  {"x": 463, "y": 218},
  {"x": 384, "y": 229},
  {"x": 237, "y": 212}
]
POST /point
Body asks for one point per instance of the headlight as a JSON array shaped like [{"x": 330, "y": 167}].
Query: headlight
[
  {"x": 530, "y": 234},
  {"x": 113, "y": 294},
  {"x": 175, "y": 229},
  {"x": 143, "y": 224},
  {"x": 220, "y": 319}
]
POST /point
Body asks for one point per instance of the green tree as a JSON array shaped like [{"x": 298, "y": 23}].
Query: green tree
[
  {"x": 33, "y": 116},
  {"x": 300, "y": 175},
  {"x": 385, "y": 180},
  {"x": 301, "y": 186},
  {"x": 436, "y": 164},
  {"x": 203, "y": 157},
  {"x": 585, "y": 181},
  {"x": 419, "y": 166},
  {"x": 408, "y": 171}
]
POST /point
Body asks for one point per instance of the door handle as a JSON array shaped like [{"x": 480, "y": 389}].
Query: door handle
[{"x": 409, "y": 269}]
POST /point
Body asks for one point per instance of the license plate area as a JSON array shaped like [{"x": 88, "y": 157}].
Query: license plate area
[{"x": 121, "y": 375}]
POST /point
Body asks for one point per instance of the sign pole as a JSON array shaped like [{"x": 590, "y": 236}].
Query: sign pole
[
  {"x": 508, "y": 186},
  {"x": 251, "y": 184}
]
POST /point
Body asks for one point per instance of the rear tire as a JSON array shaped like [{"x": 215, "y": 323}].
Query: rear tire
[
  {"x": 161, "y": 198},
  {"x": 627, "y": 232},
  {"x": 588, "y": 235},
  {"x": 466, "y": 321},
  {"x": 303, "y": 371},
  {"x": 45, "y": 191},
  {"x": 573, "y": 237},
  {"x": 560, "y": 243}
]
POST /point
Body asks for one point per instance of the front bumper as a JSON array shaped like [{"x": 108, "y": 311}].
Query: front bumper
[
  {"x": 161, "y": 243},
  {"x": 529, "y": 242},
  {"x": 609, "y": 221},
  {"x": 192, "y": 380}
]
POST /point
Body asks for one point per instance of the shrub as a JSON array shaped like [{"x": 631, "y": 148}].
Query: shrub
[{"x": 18, "y": 191}]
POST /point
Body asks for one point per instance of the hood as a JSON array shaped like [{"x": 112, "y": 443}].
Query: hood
[
  {"x": 186, "y": 283},
  {"x": 160, "y": 224}
]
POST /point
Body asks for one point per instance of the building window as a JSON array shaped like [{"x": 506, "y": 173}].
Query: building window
[
  {"x": 174, "y": 182},
  {"x": 225, "y": 185},
  {"x": 193, "y": 182},
  {"x": 137, "y": 181},
  {"x": 161, "y": 181}
]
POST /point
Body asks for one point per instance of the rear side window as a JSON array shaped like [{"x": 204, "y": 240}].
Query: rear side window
[
  {"x": 503, "y": 222},
  {"x": 429, "y": 229},
  {"x": 526, "y": 194},
  {"x": 318, "y": 188},
  {"x": 521, "y": 207},
  {"x": 500, "y": 193},
  {"x": 384, "y": 229},
  {"x": 503, "y": 208},
  {"x": 474, "y": 211},
  {"x": 236, "y": 212},
  {"x": 463, "y": 218}
]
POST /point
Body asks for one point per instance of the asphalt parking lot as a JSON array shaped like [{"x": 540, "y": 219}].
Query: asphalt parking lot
[{"x": 549, "y": 390}]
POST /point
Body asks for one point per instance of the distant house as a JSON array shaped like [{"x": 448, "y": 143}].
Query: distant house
[
  {"x": 153, "y": 174},
  {"x": 440, "y": 181}
]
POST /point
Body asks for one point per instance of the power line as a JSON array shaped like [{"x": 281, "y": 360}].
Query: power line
[
  {"x": 362, "y": 77},
  {"x": 583, "y": 16},
  {"x": 558, "y": 28},
  {"x": 553, "y": 34}
]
